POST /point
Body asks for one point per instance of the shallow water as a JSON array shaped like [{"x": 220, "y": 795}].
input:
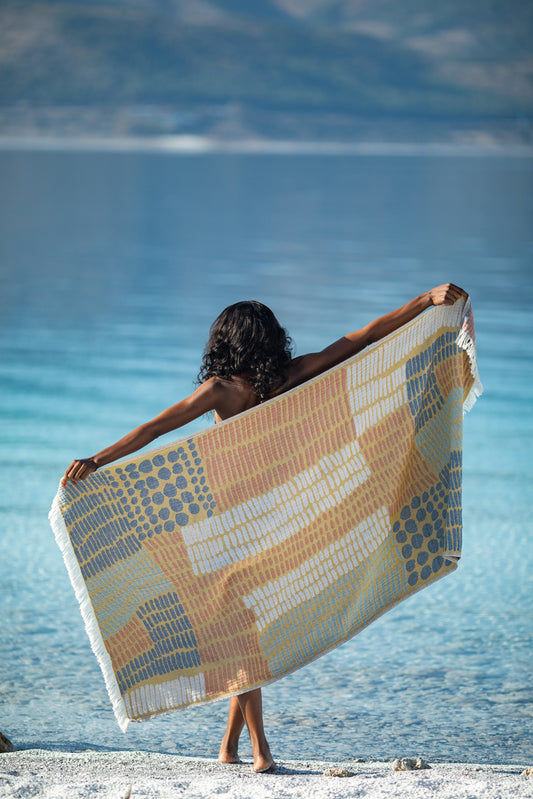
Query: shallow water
[{"x": 113, "y": 266}]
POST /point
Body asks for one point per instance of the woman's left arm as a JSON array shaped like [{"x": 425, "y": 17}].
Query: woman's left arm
[
  {"x": 315, "y": 363},
  {"x": 446, "y": 294}
]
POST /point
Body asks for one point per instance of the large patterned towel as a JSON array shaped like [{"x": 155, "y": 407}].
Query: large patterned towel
[{"x": 236, "y": 555}]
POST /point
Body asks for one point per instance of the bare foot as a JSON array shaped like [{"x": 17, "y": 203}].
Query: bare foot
[
  {"x": 228, "y": 754},
  {"x": 263, "y": 763}
]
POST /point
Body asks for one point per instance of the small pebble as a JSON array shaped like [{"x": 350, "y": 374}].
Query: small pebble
[
  {"x": 409, "y": 764},
  {"x": 338, "y": 772}
]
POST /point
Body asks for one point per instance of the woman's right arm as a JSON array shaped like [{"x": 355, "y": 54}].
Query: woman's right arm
[{"x": 207, "y": 397}]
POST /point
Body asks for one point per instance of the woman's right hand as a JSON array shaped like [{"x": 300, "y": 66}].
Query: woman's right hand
[
  {"x": 79, "y": 469},
  {"x": 446, "y": 294}
]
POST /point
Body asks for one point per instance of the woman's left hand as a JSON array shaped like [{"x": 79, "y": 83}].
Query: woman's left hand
[{"x": 79, "y": 469}]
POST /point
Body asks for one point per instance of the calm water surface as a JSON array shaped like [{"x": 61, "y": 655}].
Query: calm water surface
[{"x": 112, "y": 268}]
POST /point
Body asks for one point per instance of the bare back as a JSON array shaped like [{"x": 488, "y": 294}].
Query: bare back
[{"x": 235, "y": 396}]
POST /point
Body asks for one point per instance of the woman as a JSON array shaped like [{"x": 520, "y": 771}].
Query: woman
[{"x": 246, "y": 361}]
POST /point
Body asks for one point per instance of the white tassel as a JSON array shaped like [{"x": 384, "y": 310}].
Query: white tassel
[
  {"x": 465, "y": 341},
  {"x": 88, "y": 615}
]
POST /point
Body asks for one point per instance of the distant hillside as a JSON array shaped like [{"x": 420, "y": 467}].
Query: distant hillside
[{"x": 453, "y": 59}]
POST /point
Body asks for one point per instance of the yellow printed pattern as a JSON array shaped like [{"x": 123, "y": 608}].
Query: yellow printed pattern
[
  {"x": 264, "y": 522},
  {"x": 230, "y": 558},
  {"x": 313, "y": 576}
]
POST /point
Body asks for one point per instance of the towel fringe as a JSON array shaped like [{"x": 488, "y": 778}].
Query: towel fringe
[
  {"x": 466, "y": 342},
  {"x": 88, "y": 615}
]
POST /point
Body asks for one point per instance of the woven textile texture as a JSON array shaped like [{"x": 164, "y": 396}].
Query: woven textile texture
[{"x": 230, "y": 558}]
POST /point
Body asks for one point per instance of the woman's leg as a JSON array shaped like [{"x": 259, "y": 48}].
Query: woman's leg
[
  {"x": 229, "y": 748},
  {"x": 247, "y": 707},
  {"x": 251, "y": 705}
]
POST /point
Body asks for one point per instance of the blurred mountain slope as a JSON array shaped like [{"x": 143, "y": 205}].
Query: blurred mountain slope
[{"x": 457, "y": 59}]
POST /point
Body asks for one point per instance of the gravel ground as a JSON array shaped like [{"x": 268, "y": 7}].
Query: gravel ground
[{"x": 132, "y": 775}]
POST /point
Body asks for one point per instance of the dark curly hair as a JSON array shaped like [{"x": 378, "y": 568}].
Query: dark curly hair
[{"x": 247, "y": 339}]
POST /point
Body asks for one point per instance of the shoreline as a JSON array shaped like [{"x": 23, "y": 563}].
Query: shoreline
[
  {"x": 208, "y": 145},
  {"x": 127, "y": 775}
]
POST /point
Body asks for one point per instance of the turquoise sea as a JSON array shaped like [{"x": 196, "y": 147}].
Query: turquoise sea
[{"x": 113, "y": 266}]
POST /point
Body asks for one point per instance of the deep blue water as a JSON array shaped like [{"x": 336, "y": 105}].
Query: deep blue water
[{"x": 112, "y": 268}]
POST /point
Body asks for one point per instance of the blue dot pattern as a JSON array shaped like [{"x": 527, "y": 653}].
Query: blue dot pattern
[
  {"x": 438, "y": 433},
  {"x": 422, "y": 528},
  {"x": 157, "y": 496}
]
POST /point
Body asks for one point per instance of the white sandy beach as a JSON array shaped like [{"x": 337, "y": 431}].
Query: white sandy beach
[{"x": 119, "y": 775}]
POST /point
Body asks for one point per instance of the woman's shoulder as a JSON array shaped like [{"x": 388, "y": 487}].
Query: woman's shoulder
[
  {"x": 231, "y": 395},
  {"x": 300, "y": 369},
  {"x": 227, "y": 385}
]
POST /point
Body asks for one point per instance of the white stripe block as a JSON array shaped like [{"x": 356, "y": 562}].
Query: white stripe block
[
  {"x": 267, "y": 520},
  {"x": 165, "y": 696},
  {"x": 271, "y": 601},
  {"x": 370, "y": 402},
  {"x": 373, "y": 395}
]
